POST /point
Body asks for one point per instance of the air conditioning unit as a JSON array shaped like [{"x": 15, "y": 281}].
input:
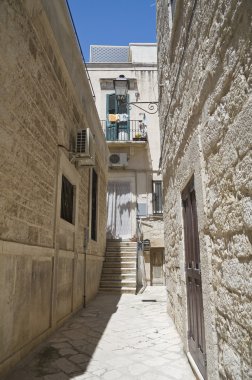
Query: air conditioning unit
[
  {"x": 118, "y": 159},
  {"x": 84, "y": 153}
]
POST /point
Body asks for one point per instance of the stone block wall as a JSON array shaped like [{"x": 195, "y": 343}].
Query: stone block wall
[
  {"x": 205, "y": 77},
  {"x": 153, "y": 229},
  {"x": 45, "y": 99}
]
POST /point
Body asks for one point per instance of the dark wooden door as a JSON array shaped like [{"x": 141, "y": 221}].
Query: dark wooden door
[
  {"x": 157, "y": 262},
  {"x": 196, "y": 333}
]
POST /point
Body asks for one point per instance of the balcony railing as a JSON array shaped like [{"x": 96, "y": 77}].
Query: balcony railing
[{"x": 131, "y": 130}]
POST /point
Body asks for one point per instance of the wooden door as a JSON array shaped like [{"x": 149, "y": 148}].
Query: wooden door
[
  {"x": 196, "y": 333},
  {"x": 157, "y": 262},
  {"x": 111, "y": 128}
]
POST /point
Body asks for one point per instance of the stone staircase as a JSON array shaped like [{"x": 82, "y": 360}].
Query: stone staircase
[{"x": 119, "y": 267}]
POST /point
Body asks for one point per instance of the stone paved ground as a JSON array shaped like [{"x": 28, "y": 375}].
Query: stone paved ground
[{"x": 114, "y": 338}]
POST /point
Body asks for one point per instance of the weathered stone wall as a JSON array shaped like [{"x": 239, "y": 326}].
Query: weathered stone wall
[
  {"x": 45, "y": 98},
  {"x": 153, "y": 229},
  {"x": 205, "y": 82}
]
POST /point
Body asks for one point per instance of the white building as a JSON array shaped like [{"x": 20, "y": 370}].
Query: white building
[{"x": 135, "y": 185}]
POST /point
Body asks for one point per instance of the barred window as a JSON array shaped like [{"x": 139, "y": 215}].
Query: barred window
[
  {"x": 157, "y": 197},
  {"x": 67, "y": 200}
]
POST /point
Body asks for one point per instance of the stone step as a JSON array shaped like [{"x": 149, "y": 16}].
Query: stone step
[
  {"x": 118, "y": 284},
  {"x": 120, "y": 253},
  {"x": 117, "y": 290},
  {"x": 121, "y": 243},
  {"x": 118, "y": 270},
  {"x": 120, "y": 277},
  {"x": 119, "y": 267},
  {"x": 118, "y": 259},
  {"x": 119, "y": 264},
  {"x": 120, "y": 248}
]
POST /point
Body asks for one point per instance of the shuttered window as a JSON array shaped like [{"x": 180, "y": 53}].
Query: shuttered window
[
  {"x": 114, "y": 107},
  {"x": 157, "y": 197},
  {"x": 67, "y": 200},
  {"x": 112, "y": 104},
  {"x": 114, "y": 129}
]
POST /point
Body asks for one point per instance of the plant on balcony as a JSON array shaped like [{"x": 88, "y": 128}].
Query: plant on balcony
[{"x": 139, "y": 137}]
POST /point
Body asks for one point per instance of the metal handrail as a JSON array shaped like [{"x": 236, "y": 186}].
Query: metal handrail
[
  {"x": 140, "y": 273},
  {"x": 131, "y": 130}
]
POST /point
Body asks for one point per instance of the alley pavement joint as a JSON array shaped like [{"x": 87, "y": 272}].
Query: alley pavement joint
[{"x": 116, "y": 337}]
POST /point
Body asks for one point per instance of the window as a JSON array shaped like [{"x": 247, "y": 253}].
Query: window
[
  {"x": 157, "y": 197},
  {"x": 113, "y": 106},
  {"x": 67, "y": 200},
  {"x": 142, "y": 209},
  {"x": 94, "y": 206},
  {"x": 117, "y": 130}
]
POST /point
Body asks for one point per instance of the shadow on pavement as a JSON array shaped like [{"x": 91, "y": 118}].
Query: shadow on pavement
[{"x": 67, "y": 353}]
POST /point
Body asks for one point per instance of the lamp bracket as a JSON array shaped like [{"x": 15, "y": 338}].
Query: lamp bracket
[{"x": 152, "y": 107}]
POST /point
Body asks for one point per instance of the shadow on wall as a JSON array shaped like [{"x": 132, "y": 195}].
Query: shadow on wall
[
  {"x": 119, "y": 208},
  {"x": 117, "y": 217},
  {"x": 70, "y": 349}
]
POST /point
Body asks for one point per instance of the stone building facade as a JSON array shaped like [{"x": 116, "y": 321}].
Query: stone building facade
[
  {"x": 45, "y": 272},
  {"x": 205, "y": 93}
]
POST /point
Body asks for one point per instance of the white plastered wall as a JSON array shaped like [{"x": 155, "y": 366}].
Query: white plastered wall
[{"x": 118, "y": 176}]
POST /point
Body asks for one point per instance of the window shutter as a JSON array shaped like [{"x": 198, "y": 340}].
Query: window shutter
[{"x": 111, "y": 103}]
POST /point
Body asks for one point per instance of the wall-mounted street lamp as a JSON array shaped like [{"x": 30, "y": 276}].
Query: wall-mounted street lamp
[{"x": 121, "y": 86}]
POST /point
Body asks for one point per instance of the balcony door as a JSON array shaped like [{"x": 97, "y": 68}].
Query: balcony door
[
  {"x": 119, "y": 205},
  {"x": 120, "y": 129}
]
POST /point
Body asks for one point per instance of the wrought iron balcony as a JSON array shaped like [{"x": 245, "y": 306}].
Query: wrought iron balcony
[{"x": 131, "y": 130}]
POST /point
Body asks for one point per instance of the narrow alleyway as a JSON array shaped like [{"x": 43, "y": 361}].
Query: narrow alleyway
[{"x": 116, "y": 337}]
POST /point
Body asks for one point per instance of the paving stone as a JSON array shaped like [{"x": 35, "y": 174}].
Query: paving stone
[
  {"x": 57, "y": 339},
  {"x": 112, "y": 375},
  {"x": 66, "y": 366},
  {"x": 157, "y": 362},
  {"x": 85, "y": 376},
  {"x": 177, "y": 373},
  {"x": 153, "y": 376},
  {"x": 61, "y": 345},
  {"x": 73, "y": 335},
  {"x": 137, "y": 369},
  {"x": 56, "y": 376},
  {"x": 99, "y": 372},
  {"x": 67, "y": 351},
  {"x": 21, "y": 374},
  {"x": 79, "y": 343},
  {"x": 118, "y": 362},
  {"x": 80, "y": 358},
  {"x": 119, "y": 338}
]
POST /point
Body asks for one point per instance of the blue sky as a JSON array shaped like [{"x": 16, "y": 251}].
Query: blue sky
[{"x": 113, "y": 22}]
